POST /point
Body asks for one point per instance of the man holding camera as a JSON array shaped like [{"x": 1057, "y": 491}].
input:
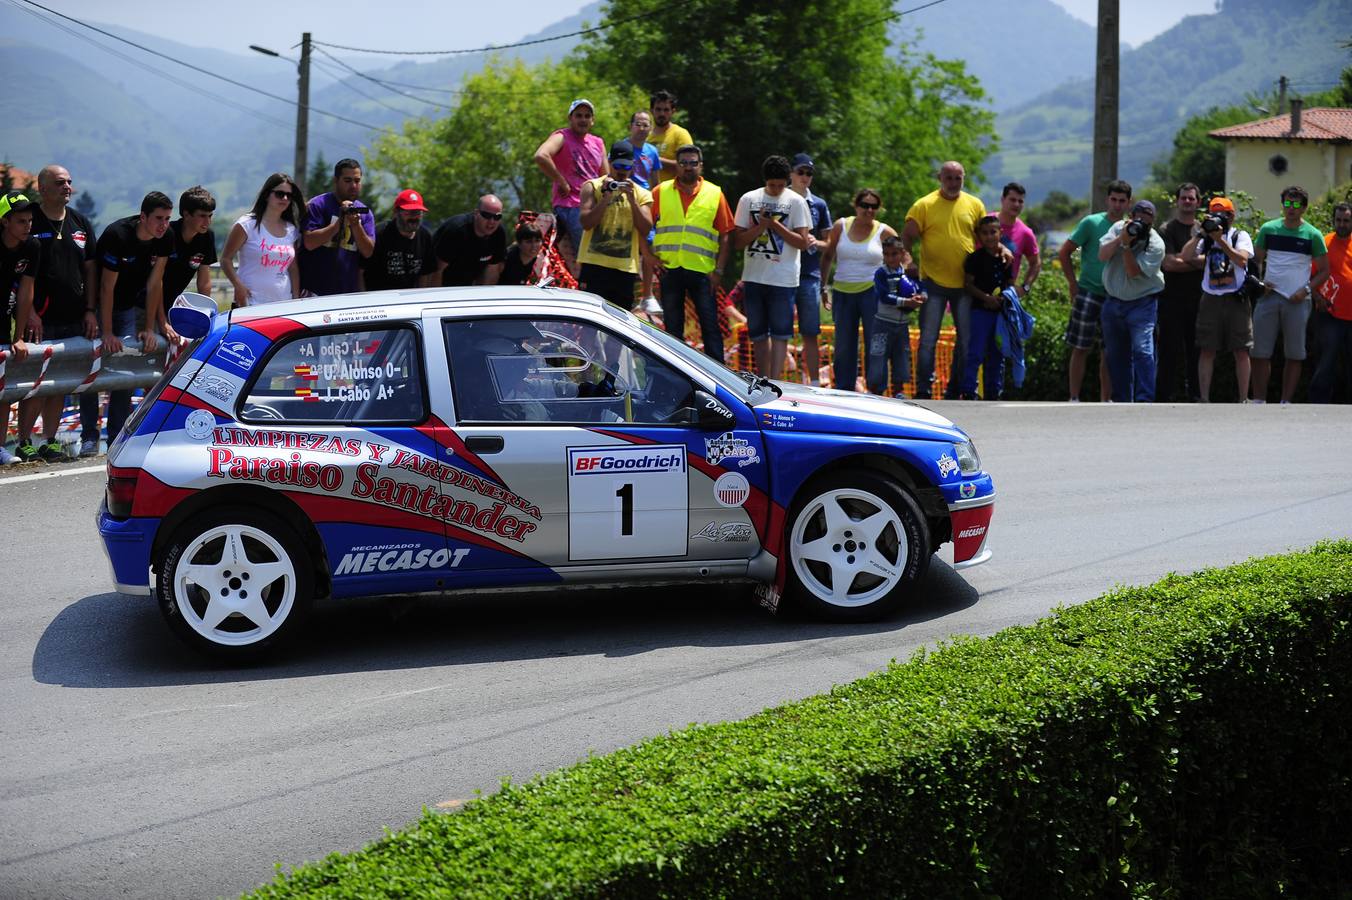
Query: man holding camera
[
  {"x": 616, "y": 214},
  {"x": 1223, "y": 319},
  {"x": 1132, "y": 252},
  {"x": 1290, "y": 246},
  {"x": 339, "y": 232}
]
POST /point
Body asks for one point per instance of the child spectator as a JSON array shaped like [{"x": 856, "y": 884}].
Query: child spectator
[
  {"x": 897, "y": 295},
  {"x": 987, "y": 275}
]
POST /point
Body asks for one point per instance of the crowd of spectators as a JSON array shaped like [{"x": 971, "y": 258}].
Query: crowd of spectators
[{"x": 637, "y": 223}]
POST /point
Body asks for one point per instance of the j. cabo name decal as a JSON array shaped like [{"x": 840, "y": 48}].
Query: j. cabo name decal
[
  {"x": 728, "y": 446},
  {"x": 362, "y": 560}
]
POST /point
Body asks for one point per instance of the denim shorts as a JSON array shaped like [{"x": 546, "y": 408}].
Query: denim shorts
[
  {"x": 808, "y": 300},
  {"x": 769, "y": 310}
]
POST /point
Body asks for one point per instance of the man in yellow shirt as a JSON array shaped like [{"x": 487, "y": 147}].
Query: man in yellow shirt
[
  {"x": 944, "y": 223},
  {"x": 616, "y": 216},
  {"x": 667, "y": 136}
]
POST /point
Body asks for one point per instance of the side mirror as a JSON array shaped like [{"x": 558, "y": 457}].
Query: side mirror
[
  {"x": 191, "y": 315},
  {"x": 712, "y": 414}
]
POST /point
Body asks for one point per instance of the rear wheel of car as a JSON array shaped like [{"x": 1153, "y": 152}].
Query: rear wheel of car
[
  {"x": 858, "y": 545},
  {"x": 234, "y": 583}
]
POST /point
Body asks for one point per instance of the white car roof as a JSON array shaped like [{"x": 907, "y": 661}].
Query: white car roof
[{"x": 409, "y": 302}]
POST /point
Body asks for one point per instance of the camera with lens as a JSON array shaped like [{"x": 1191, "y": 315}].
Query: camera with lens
[
  {"x": 1215, "y": 222},
  {"x": 611, "y": 185},
  {"x": 1136, "y": 228}
]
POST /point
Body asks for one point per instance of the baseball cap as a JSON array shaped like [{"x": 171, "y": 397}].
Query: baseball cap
[
  {"x": 581, "y": 101},
  {"x": 621, "y": 150},
  {"x": 409, "y": 199},
  {"x": 1220, "y": 204},
  {"x": 14, "y": 201},
  {"x": 802, "y": 159},
  {"x": 1144, "y": 206}
]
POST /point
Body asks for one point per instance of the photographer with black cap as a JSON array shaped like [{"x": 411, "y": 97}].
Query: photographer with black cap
[
  {"x": 616, "y": 214},
  {"x": 1132, "y": 252},
  {"x": 1224, "y": 318}
]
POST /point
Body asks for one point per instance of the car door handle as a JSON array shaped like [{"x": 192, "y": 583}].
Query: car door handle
[{"x": 484, "y": 443}]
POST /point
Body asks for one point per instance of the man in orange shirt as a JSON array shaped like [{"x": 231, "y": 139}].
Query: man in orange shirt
[
  {"x": 691, "y": 241},
  {"x": 1333, "y": 321}
]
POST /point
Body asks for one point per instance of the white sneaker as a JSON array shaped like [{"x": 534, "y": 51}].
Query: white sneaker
[
  {"x": 7, "y": 458},
  {"x": 651, "y": 306},
  {"x": 89, "y": 448}
]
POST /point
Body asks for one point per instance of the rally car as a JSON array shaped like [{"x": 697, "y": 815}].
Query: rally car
[{"x": 487, "y": 438}]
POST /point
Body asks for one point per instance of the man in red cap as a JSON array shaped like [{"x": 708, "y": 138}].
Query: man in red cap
[
  {"x": 1224, "y": 320},
  {"x": 403, "y": 256}
]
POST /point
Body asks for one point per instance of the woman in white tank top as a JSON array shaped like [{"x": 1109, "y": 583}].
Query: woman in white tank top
[
  {"x": 265, "y": 239},
  {"x": 856, "y": 248}
]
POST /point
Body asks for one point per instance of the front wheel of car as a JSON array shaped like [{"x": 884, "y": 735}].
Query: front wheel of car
[
  {"x": 858, "y": 545},
  {"x": 234, "y": 583}
]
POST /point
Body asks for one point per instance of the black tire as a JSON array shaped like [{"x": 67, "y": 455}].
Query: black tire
[
  {"x": 263, "y": 549},
  {"x": 831, "y": 536}
]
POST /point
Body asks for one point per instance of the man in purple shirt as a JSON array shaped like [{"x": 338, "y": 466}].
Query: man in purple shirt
[
  {"x": 340, "y": 231},
  {"x": 1018, "y": 237}
]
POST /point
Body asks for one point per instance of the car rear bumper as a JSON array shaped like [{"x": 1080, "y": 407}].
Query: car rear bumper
[{"x": 127, "y": 543}]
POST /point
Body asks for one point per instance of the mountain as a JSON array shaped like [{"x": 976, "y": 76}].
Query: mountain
[{"x": 1203, "y": 61}]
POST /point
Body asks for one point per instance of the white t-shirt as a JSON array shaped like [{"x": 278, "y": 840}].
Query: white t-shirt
[
  {"x": 768, "y": 260},
  {"x": 264, "y": 261},
  {"x": 1220, "y": 275}
]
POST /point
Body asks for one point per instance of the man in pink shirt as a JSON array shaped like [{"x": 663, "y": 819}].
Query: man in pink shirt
[
  {"x": 570, "y": 157},
  {"x": 1018, "y": 237}
]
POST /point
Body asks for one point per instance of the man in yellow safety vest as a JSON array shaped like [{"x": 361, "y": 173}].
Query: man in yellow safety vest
[{"x": 691, "y": 239}]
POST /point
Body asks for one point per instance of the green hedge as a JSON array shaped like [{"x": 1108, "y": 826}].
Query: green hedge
[{"x": 1186, "y": 739}]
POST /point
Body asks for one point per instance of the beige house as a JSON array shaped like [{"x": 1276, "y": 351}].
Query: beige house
[{"x": 1309, "y": 147}]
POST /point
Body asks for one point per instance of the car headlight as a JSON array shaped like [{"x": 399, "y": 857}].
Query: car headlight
[{"x": 969, "y": 462}]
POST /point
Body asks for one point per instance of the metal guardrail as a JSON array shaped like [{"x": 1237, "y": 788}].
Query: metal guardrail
[{"x": 76, "y": 365}]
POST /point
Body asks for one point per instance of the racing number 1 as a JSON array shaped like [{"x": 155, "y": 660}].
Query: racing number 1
[{"x": 626, "y": 495}]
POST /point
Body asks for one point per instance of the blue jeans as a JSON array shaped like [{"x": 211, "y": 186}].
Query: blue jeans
[
  {"x": 983, "y": 348},
  {"x": 891, "y": 343},
  {"x": 849, "y": 312},
  {"x": 931, "y": 318},
  {"x": 1129, "y": 347},
  {"x": 808, "y": 299},
  {"x": 1333, "y": 338},
  {"x": 89, "y": 400},
  {"x": 676, "y": 283},
  {"x": 125, "y": 324},
  {"x": 569, "y": 219},
  {"x": 769, "y": 310}
]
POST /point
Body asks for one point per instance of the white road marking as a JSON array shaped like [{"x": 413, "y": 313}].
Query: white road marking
[{"x": 40, "y": 476}]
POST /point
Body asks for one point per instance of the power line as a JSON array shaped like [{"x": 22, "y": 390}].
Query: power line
[
  {"x": 493, "y": 47},
  {"x": 199, "y": 69},
  {"x": 376, "y": 81},
  {"x": 345, "y": 81},
  {"x": 141, "y": 64}
]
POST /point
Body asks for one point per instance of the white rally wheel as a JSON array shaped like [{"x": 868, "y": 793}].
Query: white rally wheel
[{"x": 855, "y": 545}]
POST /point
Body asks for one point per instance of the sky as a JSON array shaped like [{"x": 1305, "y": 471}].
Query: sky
[{"x": 417, "y": 25}]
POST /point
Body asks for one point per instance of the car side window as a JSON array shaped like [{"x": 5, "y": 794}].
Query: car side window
[
  {"x": 559, "y": 371},
  {"x": 341, "y": 376}
]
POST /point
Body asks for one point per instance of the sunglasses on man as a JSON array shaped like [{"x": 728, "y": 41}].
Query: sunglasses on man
[{"x": 492, "y": 217}]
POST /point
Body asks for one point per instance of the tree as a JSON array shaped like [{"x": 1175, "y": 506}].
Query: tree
[
  {"x": 753, "y": 80},
  {"x": 488, "y": 142},
  {"x": 1198, "y": 157},
  {"x": 86, "y": 206},
  {"x": 1057, "y": 210}
]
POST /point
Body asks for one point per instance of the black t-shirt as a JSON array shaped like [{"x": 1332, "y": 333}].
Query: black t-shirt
[
  {"x": 180, "y": 273},
  {"x": 466, "y": 254},
  {"x": 59, "y": 296},
  {"x": 1179, "y": 284},
  {"x": 397, "y": 261},
  {"x": 15, "y": 265},
  {"x": 121, "y": 251},
  {"x": 514, "y": 271},
  {"x": 990, "y": 273}
]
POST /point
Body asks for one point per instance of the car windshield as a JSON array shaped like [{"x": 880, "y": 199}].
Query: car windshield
[{"x": 743, "y": 384}]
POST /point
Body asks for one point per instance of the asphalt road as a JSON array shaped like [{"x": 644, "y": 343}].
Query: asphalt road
[{"x": 133, "y": 769}]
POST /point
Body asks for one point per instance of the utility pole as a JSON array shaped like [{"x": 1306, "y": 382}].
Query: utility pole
[
  {"x": 302, "y": 104},
  {"x": 1105, "y": 105},
  {"x": 303, "y": 110}
]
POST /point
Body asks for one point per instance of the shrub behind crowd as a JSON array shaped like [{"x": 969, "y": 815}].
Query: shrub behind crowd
[{"x": 1191, "y": 738}]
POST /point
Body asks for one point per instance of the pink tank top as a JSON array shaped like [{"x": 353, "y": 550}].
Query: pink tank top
[{"x": 580, "y": 159}]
